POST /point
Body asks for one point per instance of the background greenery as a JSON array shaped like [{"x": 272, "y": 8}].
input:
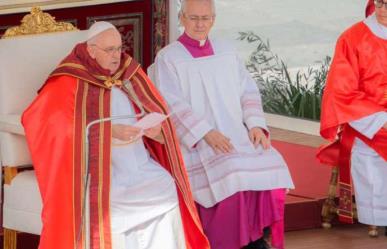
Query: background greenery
[{"x": 297, "y": 94}]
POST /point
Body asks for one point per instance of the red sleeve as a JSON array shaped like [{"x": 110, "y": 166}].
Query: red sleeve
[{"x": 343, "y": 100}]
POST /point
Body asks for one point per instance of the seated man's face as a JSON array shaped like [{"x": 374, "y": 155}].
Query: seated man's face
[
  {"x": 197, "y": 18},
  {"x": 106, "y": 50}
]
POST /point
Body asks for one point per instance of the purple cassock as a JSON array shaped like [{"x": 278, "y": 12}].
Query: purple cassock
[{"x": 239, "y": 219}]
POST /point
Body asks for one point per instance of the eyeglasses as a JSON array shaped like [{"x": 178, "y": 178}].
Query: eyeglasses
[
  {"x": 109, "y": 50},
  {"x": 380, "y": 3},
  {"x": 194, "y": 18}
]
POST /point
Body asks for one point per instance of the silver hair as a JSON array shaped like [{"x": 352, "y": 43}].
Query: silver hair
[{"x": 184, "y": 2}]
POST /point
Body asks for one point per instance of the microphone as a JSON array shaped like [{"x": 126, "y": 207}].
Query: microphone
[{"x": 86, "y": 188}]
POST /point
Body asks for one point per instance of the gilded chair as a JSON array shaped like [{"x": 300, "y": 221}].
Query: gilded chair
[{"x": 28, "y": 53}]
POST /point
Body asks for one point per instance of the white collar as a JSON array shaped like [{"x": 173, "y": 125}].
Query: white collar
[{"x": 377, "y": 29}]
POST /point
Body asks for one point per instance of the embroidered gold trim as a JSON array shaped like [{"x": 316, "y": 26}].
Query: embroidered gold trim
[
  {"x": 86, "y": 80},
  {"x": 73, "y": 168},
  {"x": 38, "y": 22},
  {"x": 345, "y": 184},
  {"x": 109, "y": 82},
  {"x": 344, "y": 215},
  {"x": 74, "y": 65},
  {"x": 84, "y": 157},
  {"x": 101, "y": 170}
]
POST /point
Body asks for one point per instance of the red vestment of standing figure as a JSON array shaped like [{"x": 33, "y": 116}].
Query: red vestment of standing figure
[
  {"x": 76, "y": 93},
  {"x": 356, "y": 87}
]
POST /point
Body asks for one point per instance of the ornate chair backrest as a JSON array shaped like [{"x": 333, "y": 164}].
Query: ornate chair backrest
[{"x": 28, "y": 53}]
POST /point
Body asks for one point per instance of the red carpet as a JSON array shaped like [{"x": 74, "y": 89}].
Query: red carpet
[{"x": 311, "y": 180}]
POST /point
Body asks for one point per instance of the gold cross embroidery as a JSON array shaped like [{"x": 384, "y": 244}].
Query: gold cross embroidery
[
  {"x": 112, "y": 82},
  {"x": 346, "y": 200}
]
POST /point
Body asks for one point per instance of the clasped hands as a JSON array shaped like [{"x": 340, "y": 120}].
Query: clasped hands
[
  {"x": 221, "y": 144},
  {"x": 130, "y": 134}
]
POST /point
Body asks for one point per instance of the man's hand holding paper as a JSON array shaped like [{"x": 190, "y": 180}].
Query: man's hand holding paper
[{"x": 149, "y": 125}]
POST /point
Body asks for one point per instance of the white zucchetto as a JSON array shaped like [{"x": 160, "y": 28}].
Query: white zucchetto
[{"x": 99, "y": 27}]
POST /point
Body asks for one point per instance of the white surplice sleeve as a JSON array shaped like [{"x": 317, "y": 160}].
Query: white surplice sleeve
[
  {"x": 253, "y": 115},
  {"x": 190, "y": 127},
  {"x": 370, "y": 125}
]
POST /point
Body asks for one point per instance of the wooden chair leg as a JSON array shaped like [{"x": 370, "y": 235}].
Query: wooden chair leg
[
  {"x": 329, "y": 208},
  {"x": 9, "y": 174},
  {"x": 10, "y": 239}
]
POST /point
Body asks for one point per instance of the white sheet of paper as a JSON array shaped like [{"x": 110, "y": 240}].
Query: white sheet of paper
[{"x": 151, "y": 120}]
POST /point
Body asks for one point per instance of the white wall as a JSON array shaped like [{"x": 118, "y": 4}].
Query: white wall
[{"x": 173, "y": 20}]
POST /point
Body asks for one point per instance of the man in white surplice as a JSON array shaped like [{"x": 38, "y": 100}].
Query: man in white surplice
[{"x": 218, "y": 116}]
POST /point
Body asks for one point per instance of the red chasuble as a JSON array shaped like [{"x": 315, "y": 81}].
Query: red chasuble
[
  {"x": 356, "y": 87},
  {"x": 76, "y": 93}
]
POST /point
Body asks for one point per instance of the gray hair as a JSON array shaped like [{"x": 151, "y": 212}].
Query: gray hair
[{"x": 183, "y": 4}]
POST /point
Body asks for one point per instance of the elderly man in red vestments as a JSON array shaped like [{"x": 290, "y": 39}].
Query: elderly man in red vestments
[
  {"x": 139, "y": 192},
  {"x": 354, "y": 113}
]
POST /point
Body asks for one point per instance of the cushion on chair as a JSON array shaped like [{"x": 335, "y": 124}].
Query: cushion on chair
[
  {"x": 23, "y": 204},
  {"x": 13, "y": 146},
  {"x": 14, "y": 150},
  {"x": 11, "y": 124}
]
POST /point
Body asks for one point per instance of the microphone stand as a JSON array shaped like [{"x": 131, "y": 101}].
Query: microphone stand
[{"x": 85, "y": 215}]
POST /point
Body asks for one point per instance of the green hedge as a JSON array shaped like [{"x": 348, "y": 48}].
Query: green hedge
[{"x": 298, "y": 95}]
